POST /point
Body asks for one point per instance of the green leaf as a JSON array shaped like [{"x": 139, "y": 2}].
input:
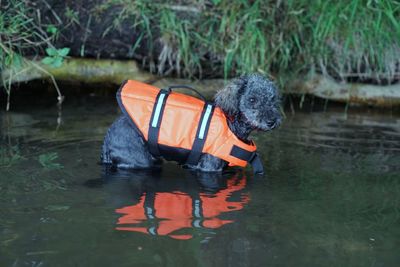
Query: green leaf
[
  {"x": 52, "y": 29},
  {"x": 63, "y": 51},
  {"x": 8, "y": 60},
  {"x": 57, "y": 62},
  {"x": 51, "y": 51},
  {"x": 228, "y": 63},
  {"x": 48, "y": 60},
  {"x": 17, "y": 62}
]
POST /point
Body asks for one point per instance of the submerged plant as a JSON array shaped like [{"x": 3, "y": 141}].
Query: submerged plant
[{"x": 47, "y": 161}]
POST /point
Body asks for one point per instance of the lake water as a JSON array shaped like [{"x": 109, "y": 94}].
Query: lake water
[{"x": 330, "y": 196}]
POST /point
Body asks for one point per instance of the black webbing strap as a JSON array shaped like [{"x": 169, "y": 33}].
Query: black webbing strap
[
  {"x": 251, "y": 157},
  {"x": 155, "y": 122},
  {"x": 149, "y": 205},
  {"x": 150, "y": 212},
  {"x": 201, "y": 134}
]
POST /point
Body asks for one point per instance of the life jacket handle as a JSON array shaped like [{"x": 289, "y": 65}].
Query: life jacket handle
[{"x": 170, "y": 88}]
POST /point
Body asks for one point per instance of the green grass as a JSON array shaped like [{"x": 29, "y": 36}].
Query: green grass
[{"x": 345, "y": 39}]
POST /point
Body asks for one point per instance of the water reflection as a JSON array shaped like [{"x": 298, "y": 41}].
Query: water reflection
[{"x": 177, "y": 208}]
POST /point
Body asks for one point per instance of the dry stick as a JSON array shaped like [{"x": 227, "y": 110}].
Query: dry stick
[
  {"x": 183, "y": 8},
  {"x": 60, "y": 97},
  {"x": 9, "y": 93},
  {"x": 86, "y": 35},
  {"x": 53, "y": 12},
  {"x": 43, "y": 33},
  {"x": 8, "y": 87}
]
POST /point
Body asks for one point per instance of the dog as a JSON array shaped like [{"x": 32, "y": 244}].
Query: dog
[{"x": 250, "y": 102}]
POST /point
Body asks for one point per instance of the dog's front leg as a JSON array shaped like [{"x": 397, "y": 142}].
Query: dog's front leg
[{"x": 209, "y": 163}]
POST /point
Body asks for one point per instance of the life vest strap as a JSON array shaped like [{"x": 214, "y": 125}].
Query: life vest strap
[
  {"x": 201, "y": 135},
  {"x": 155, "y": 122},
  {"x": 251, "y": 157},
  {"x": 256, "y": 164}
]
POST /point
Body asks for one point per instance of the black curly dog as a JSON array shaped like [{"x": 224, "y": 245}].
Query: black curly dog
[{"x": 250, "y": 102}]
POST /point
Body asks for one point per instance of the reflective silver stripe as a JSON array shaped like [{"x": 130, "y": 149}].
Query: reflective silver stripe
[
  {"x": 204, "y": 122},
  {"x": 158, "y": 110},
  {"x": 152, "y": 230},
  {"x": 149, "y": 213},
  {"x": 197, "y": 208},
  {"x": 196, "y": 223}
]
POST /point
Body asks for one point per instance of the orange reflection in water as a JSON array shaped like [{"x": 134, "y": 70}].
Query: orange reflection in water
[{"x": 165, "y": 213}]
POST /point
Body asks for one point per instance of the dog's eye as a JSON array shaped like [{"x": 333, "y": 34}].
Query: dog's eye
[{"x": 252, "y": 100}]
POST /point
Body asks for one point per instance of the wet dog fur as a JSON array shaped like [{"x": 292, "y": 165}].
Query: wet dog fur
[{"x": 250, "y": 102}]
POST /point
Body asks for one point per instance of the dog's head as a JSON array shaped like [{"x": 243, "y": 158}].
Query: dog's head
[{"x": 253, "y": 99}]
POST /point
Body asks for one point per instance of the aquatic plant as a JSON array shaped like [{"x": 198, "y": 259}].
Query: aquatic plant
[{"x": 47, "y": 161}]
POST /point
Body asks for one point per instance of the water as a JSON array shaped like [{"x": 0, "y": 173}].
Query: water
[{"x": 331, "y": 196}]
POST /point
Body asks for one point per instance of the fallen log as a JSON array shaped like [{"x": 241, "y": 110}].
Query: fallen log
[
  {"x": 78, "y": 69},
  {"x": 352, "y": 93}
]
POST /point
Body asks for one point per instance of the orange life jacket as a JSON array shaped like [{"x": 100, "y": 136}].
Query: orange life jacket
[
  {"x": 167, "y": 213},
  {"x": 181, "y": 127}
]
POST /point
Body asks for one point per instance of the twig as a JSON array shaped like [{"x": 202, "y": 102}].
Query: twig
[
  {"x": 9, "y": 93},
  {"x": 60, "y": 97},
  {"x": 52, "y": 11},
  {"x": 183, "y": 8}
]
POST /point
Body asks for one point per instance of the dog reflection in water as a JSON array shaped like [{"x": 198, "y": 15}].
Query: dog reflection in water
[{"x": 176, "y": 213}]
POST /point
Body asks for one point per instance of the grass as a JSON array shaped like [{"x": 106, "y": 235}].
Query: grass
[
  {"x": 344, "y": 39},
  {"x": 20, "y": 32}
]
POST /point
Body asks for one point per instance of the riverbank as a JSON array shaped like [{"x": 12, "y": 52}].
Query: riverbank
[{"x": 343, "y": 51}]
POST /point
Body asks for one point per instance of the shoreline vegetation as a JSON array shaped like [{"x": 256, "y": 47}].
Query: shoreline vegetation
[{"x": 347, "y": 51}]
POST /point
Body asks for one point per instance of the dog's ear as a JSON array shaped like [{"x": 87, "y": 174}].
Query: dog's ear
[{"x": 228, "y": 97}]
